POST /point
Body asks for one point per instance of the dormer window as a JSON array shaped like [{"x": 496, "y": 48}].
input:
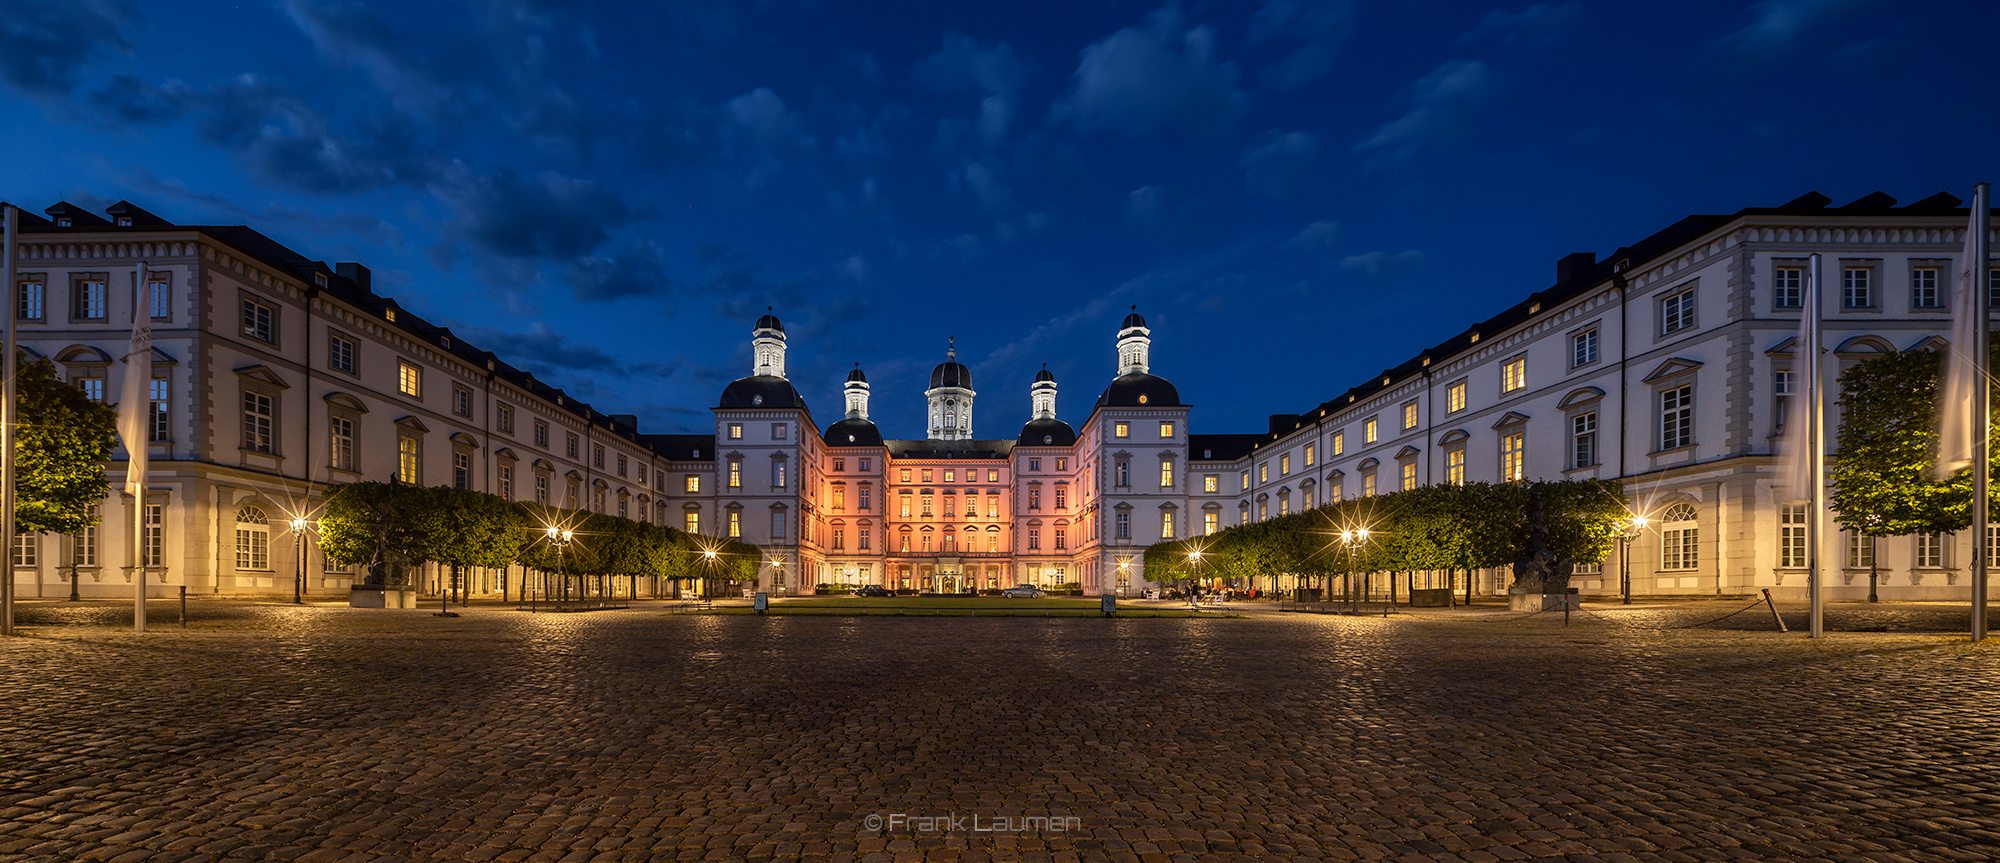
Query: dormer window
[
  {"x": 64, "y": 222},
  {"x": 124, "y": 221}
]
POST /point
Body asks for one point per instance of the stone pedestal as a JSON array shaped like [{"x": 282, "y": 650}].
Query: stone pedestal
[
  {"x": 364, "y": 596},
  {"x": 1522, "y": 601}
]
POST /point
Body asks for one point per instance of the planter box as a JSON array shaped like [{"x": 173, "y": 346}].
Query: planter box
[
  {"x": 1540, "y": 601},
  {"x": 360, "y": 596}
]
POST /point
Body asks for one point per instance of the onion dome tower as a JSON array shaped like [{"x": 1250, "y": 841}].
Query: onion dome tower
[
  {"x": 1135, "y": 384},
  {"x": 856, "y": 429},
  {"x": 950, "y": 396},
  {"x": 1043, "y": 429},
  {"x": 766, "y": 387}
]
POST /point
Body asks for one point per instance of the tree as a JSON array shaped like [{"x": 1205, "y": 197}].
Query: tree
[
  {"x": 363, "y": 523},
  {"x": 63, "y": 441},
  {"x": 1886, "y": 449}
]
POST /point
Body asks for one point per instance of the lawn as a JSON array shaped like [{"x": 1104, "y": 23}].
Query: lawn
[{"x": 959, "y": 607}]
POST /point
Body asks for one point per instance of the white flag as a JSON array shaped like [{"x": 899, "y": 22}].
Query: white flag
[
  {"x": 1963, "y": 372},
  {"x": 135, "y": 397},
  {"x": 1797, "y": 471}
]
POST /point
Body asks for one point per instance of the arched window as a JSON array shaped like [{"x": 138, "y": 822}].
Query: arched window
[
  {"x": 253, "y": 539},
  {"x": 1680, "y": 538}
]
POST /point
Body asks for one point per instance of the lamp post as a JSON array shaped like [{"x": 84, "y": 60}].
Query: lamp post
[
  {"x": 708, "y": 558},
  {"x": 298, "y": 560},
  {"x": 1352, "y": 539},
  {"x": 1194, "y": 567},
  {"x": 1628, "y": 530},
  {"x": 560, "y": 538}
]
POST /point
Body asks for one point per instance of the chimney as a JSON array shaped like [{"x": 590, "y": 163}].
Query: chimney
[
  {"x": 628, "y": 422},
  {"x": 355, "y": 273},
  {"x": 1574, "y": 266}
]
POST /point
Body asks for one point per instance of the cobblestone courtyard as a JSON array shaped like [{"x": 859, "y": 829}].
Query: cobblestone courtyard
[{"x": 269, "y": 732}]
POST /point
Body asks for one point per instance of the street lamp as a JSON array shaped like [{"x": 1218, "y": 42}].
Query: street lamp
[
  {"x": 1628, "y": 530},
  {"x": 1352, "y": 539},
  {"x": 708, "y": 558},
  {"x": 298, "y": 560},
  {"x": 560, "y": 538},
  {"x": 1194, "y": 565}
]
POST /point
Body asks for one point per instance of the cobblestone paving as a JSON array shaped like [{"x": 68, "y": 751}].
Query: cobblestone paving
[{"x": 329, "y": 734}]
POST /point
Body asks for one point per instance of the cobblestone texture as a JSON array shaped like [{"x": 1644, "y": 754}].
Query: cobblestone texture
[{"x": 325, "y": 734}]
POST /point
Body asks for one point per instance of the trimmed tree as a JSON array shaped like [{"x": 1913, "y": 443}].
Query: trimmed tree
[
  {"x": 1887, "y": 446},
  {"x": 63, "y": 439}
]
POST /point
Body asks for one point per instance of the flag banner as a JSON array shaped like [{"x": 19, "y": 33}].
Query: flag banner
[
  {"x": 1963, "y": 372},
  {"x": 135, "y": 397},
  {"x": 1797, "y": 471}
]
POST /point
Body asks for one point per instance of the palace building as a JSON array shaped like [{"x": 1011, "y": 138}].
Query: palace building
[{"x": 1665, "y": 364}]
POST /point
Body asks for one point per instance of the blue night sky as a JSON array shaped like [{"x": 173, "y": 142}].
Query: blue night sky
[{"x": 1296, "y": 194}]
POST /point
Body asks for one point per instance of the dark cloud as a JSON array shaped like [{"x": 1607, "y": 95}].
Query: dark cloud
[
  {"x": 289, "y": 142},
  {"x": 1140, "y": 79},
  {"x": 544, "y": 216},
  {"x": 636, "y": 268},
  {"x": 321, "y": 223},
  {"x": 764, "y": 134},
  {"x": 1778, "y": 24},
  {"x": 1274, "y": 168},
  {"x": 992, "y": 71},
  {"x": 126, "y": 99},
  {"x": 47, "y": 45},
  {"x": 1534, "y": 27},
  {"x": 741, "y": 290},
  {"x": 1318, "y": 27},
  {"x": 1442, "y": 107}
]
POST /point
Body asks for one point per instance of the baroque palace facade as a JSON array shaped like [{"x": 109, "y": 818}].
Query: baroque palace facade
[{"x": 1665, "y": 364}]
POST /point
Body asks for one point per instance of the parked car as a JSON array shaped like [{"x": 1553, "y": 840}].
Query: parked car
[
  {"x": 1023, "y": 591},
  {"x": 873, "y": 590}
]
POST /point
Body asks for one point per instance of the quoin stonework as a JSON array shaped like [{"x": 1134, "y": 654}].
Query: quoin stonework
[{"x": 1665, "y": 364}]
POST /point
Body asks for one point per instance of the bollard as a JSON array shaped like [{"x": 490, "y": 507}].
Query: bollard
[
  {"x": 184, "y": 605},
  {"x": 1774, "y": 611}
]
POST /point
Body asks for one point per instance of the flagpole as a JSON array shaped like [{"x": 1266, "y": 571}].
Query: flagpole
[
  {"x": 1982, "y": 407},
  {"x": 1815, "y": 439},
  {"x": 12, "y": 219},
  {"x": 135, "y": 448}
]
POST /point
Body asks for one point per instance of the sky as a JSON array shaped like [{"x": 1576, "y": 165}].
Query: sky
[{"x": 1295, "y": 193}]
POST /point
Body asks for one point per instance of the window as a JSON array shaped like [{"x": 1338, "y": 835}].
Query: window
[
  {"x": 692, "y": 484},
  {"x": 256, "y": 321},
  {"x": 839, "y": 539},
  {"x": 1061, "y": 464},
  {"x": 993, "y": 475},
  {"x": 1677, "y": 417},
  {"x": 1166, "y": 525},
  {"x": 154, "y": 538},
  {"x": 862, "y": 540},
  {"x": 597, "y": 456},
  {"x": 159, "y": 428},
  {"x": 1583, "y": 440},
  {"x": 1122, "y": 475},
  {"x": 158, "y": 306},
  {"x": 1121, "y": 430},
  {"x": 1062, "y": 539},
  {"x": 839, "y": 465},
  {"x": 83, "y": 546},
  {"x": 409, "y": 379},
  {"x": 906, "y": 475},
  {"x": 1930, "y": 551},
  {"x": 1211, "y": 483},
  {"x": 927, "y": 476},
  {"x": 93, "y": 388},
  {"x": 1583, "y": 348},
  {"x": 778, "y": 519},
  {"x": 253, "y": 539},
  {"x": 506, "y": 481},
  {"x": 777, "y": 474},
  {"x": 1034, "y": 539},
  {"x": 905, "y": 547},
  {"x": 1264, "y": 472},
  {"x": 1368, "y": 484},
  {"x": 34, "y": 301},
  {"x": 1124, "y": 525},
  {"x": 839, "y": 496},
  {"x": 1033, "y": 464},
  {"x": 1514, "y": 374},
  {"x": 1860, "y": 551},
  {"x": 691, "y": 521},
  {"x": 1339, "y": 443},
  {"x": 1855, "y": 292},
  {"x": 1792, "y": 536},
  {"x": 1781, "y": 384},
  {"x": 25, "y": 548},
  {"x": 1310, "y": 449},
  {"x": 569, "y": 446},
  {"x": 864, "y": 465},
  {"x": 1454, "y": 466},
  {"x": 1166, "y": 430},
  {"x": 905, "y": 498},
  {"x": 1992, "y": 546},
  {"x": 1062, "y": 497},
  {"x": 735, "y": 473},
  {"x": 928, "y": 500},
  {"x": 864, "y": 493},
  {"x": 735, "y": 524},
  {"x": 461, "y": 470},
  {"x": 542, "y": 434},
  {"x": 1409, "y": 415},
  {"x": 1409, "y": 469},
  {"x": 952, "y": 475},
  {"x": 1993, "y": 289},
  {"x": 341, "y": 435},
  {"x": 777, "y": 431},
  {"x": 1513, "y": 447},
  {"x": 1166, "y": 473},
  {"x": 992, "y": 506},
  {"x": 409, "y": 455},
  {"x": 1787, "y": 289},
  {"x": 1924, "y": 288},
  {"x": 461, "y": 400},
  {"x": 735, "y": 431},
  {"x": 542, "y": 488},
  {"x": 1677, "y": 312},
  {"x": 1285, "y": 465},
  {"x": 506, "y": 418},
  {"x": 91, "y": 299},
  {"x": 1454, "y": 398},
  {"x": 1245, "y": 478},
  {"x": 1368, "y": 431},
  {"x": 258, "y": 419},
  {"x": 1679, "y": 539}
]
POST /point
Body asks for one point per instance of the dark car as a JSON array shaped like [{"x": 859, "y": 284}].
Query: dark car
[{"x": 873, "y": 590}]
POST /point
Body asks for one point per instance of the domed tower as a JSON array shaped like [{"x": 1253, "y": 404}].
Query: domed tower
[
  {"x": 1042, "y": 394},
  {"x": 1135, "y": 345},
  {"x": 1044, "y": 429},
  {"x": 950, "y": 396},
  {"x": 856, "y": 429},
  {"x": 767, "y": 343},
  {"x": 857, "y": 394}
]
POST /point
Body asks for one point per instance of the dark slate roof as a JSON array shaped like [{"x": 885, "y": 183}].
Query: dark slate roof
[
  {"x": 1222, "y": 447},
  {"x": 951, "y": 373},
  {"x": 856, "y": 375},
  {"x": 1132, "y": 320},
  {"x": 1045, "y": 375},
  {"x": 770, "y": 322},
  {"x": 1046, "y": 433},
  {"x": 1126, "y": 390},
  {"x": 29, "y": 219},
  {"x": 852, "y": 432},
  {"x": 950, "y": 449},
  {"x": 140, "y": 218},
  {"x": 78, "y": 216},
  {"x": 761, "y": 391},
  {"x": 682, "y": 447}
]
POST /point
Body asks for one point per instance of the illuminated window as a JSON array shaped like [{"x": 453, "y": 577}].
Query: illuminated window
[
  {"x": 1513, "y": 467},
  {"x": 1166, "y": 430},
  {"x": 1339, "y": 443},
  {"x": 1409, "y": 415},
  {"x": 1514, "y": 374},
  {"x": 735, "y": 473},
  {"x": 1454, "y": 397},
  {"x": 1285, "y": 465},
  {"x": 735, "y": 524},
  {"x": 1368, "y": 434},
  {"x": 1211, "y": 483},
  {"x": 1166, "y": 473},
  {"x": 409, "y": 454},
  {"x": 1166, "y": 525},
  {"x": 1409, "y": 469},
  {"x": 692, "y": 521},
  {"x": 1454, "y": 466},
  {"x": 409, "y": 379},
  {"x": 692, "y": 484},
  {"x": 1309, "y": 454},
  {"x": 1121, "y": 430},
  {"x": 1211, "y": 522}
]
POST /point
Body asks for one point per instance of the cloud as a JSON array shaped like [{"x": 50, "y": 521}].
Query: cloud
[
  {"x": 1442, "y": 105},
  {"x": 1315, "y": 237},
  {"x": 1320, "y": 26},
  {"x": 983, "y": 180},
  {"x": 1536, "y": 26},
  {"x": 289, "y": 142},
  {"x": 126, "y": 99},
  {"x": 540, "y": 349},
  {"x": 45, "y": 47},
  {"x": 636, "y": 268},
  {"x": 1779, "y": 23},
  {"x": 765, "y": 133},
  {"x": 1383, "y": 264},
  {"x": 544, "y": 216},
  {"x": 992, "y": 71},
  {"x": 318, "y": 222},
  {"x": 741, "y": 290},
  {"x": 1138, "y": 80},
  {"x": 1146, "y": 206},
  {"x": 1273, "y": 168}
]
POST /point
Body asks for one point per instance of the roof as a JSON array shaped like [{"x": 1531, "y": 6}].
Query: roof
[
  {"x": 1045, "y": 375},
  {"x": 852, "y": 432},
  {"x": 1132, "y": 320},
  {"x": 951, "y": 373},
  {"x": 769, "y": 322},
  {"x": 1046, "y": 432},
  {"x": 682, "y": 447},
  {"x": 1222, "y": 447},
  {"x": 856, "y": 375},
  {"x": 949, "y": 449},
  {"x": 761, "y": 391},
  {"x": 1139, "y": 389}
]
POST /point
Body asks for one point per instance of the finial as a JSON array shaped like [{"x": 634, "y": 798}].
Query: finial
[
  {"x": 769, "y": 309},
  {"x": 1135, "y": 307},
  {"x": 951, "y": 349}
]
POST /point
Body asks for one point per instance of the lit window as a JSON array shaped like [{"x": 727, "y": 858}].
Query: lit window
[
  {"x": 409, "y": 378},
  {"x": 692, "y": 521},
  {"x": 993, "y": 475},
  {"x": 1166, "y": 473},
  {"x": 1121, "y": 430},
  {"x": 1245, "y": 481},
  {"x": 1166, "y": 430},
  {"x": 1454, "y": 466},
  {"x": 1285, "y": 465},
  {"x": 1211, "y": 522},
  {"x": 1409, "y": 475},
  {"x": 1368, "y": 431},
  {"x": 1409, "y": 415},
  {"x": 1309, "y": 454},
  {"x": 693, "y": 484},
  {"x": 1514, "y": 374},
  {"x": 1512, "y": 454},
  {"x": 778, "y": 474},
  {"x": 735, "y": 524},
  {"x": 1454, "y": 397},
  {"x": 1264, "y": 472},
  {"x": 735, "y": 473},
  {"x": 1368, "y": 484},
  {"x": 408, "y": 455},
  {"x": 1211, "y": 483},
  {"x": 1339, "y": 443},
  {"x": 735, "y": 431},
  {"x": 1166, "y": 525}
]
